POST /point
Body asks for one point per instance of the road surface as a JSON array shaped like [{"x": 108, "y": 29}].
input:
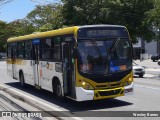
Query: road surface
[{"x": 146, "y": 98}]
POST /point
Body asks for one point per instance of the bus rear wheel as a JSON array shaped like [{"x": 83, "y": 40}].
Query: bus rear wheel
[{"x": 21, "y": 76}]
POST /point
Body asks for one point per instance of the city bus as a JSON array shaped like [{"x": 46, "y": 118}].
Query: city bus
[{"x": 90, "y": 62}]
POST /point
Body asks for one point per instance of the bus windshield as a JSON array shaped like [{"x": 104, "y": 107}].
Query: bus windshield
[{"x": 104, "y": 56}]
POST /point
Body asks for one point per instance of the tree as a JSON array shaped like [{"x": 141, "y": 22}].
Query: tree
[
  {"x": 130, "y": 13},
  {"x": 20, "y": 27},
  {"x": 82, "y": 12},
  {"x": 13, "y": 29},
  {"x": 46, "y": 17},
  {"x": 153, "y": 19},
  {"x": 3, "y": 35}
]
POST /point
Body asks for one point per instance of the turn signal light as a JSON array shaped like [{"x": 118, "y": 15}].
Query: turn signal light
[{"x": 85, "y": 85}]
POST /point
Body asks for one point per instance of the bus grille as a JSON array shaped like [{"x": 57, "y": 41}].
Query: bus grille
[{"x": 108, "y": 93}]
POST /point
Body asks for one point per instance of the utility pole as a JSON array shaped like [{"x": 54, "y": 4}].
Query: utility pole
[
  {"x": 142, "y": 49},
  {"x": 157, "y": 34}
]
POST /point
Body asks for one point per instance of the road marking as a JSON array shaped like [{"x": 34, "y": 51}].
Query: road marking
[{"x": 148, "y": 87}]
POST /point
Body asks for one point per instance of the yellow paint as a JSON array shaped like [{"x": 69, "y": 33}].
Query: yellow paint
[
  {"x": 64, "y": 31},
  {"x": 16, "y": 61},
  {"x": 9, "y": 61}
]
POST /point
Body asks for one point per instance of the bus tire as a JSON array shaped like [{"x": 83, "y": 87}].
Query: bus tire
[
  {"x": 57, "y": 90},
  {"x": 22, "y": 81}
]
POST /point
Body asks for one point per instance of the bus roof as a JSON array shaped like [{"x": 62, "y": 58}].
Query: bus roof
[
  {"x": 68, "y": 30},
  {"x": 102, "y": 25},
  {"x": 62, "y": 31}
]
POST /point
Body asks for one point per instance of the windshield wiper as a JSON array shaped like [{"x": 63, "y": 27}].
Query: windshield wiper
[
  {"x": 115, "y": 45},
  {"x": 96, "y": 47}
]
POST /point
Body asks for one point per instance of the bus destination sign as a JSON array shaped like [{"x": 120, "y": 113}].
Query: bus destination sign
[
  {"x": 102, "y": 32},
  {"x": 94, "y": 33}
]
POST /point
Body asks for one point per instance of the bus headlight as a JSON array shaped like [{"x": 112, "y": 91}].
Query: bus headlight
[
  {"x": 86, "y": 85},
  {"x": 128, "y": 81},
  {"x": 83, "y": 83}
]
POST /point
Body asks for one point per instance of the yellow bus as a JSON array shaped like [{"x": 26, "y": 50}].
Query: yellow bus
[{"x": 89, "y": 62}]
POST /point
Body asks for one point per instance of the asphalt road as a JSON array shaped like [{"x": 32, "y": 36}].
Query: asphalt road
[{"x": 146, "y": 98}]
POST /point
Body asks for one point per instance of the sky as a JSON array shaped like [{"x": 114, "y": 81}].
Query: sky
[{"x": 18, "y": 9}]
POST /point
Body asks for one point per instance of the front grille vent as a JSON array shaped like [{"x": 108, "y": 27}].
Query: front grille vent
[
  {"x": 115, "y": 84},
  {"x": 109, "y": 93},
  {"x": 101, "y": 86}
]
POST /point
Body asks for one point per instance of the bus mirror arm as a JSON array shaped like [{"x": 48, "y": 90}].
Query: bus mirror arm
[
  {"x": 132, "y": 52},
  {"x": 74, "y": 53}
]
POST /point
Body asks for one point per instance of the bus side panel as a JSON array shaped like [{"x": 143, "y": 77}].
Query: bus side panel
[
  {"x": 25, "y": 67},
  {"x": 17, "y": 67},
  {"x": 28, "y": 72},
  {"x": 9, "y": 67},
  {"x": 47, "y": 72}
]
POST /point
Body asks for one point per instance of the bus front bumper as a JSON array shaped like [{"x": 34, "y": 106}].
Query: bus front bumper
[
  {"x": 129, "y": 89},
  {"x": 84, "y": 95}
]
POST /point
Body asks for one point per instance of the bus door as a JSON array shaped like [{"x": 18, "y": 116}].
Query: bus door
[
  {"x": 36, "y": 43},
  {"x": 67, "y": 68}
]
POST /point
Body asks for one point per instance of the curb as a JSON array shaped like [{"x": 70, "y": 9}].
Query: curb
[{"x": 37, "y": 104}]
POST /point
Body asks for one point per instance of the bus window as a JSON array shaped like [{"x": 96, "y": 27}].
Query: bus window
[
  {"x": 46, "y": 48},
  {"x": 21, "y": 50},
  {"x": 28, "y": 49},
  {"x": 14, "y": 50},
  {"x": 9, "y": 47},
  {"x": 57, "y": 49}
]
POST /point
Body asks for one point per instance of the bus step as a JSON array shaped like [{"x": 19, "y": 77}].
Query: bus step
[{"x": 37, "y": 87}]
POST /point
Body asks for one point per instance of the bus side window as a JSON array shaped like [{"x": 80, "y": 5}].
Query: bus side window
[
  {"x": 46, "y": 48},
  {"x": 56, "y": 51},
  {"x": 21, "y": 49},
  {"x": 28, "y": 49},
  {"x": 9, "y": 47},
  {"x": 14, "y": 50}
]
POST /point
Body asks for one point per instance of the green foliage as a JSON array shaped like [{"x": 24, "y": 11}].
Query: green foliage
[
  {"x": 3, "y": 35},
  {"x": 152, "y": 21},
  {"x": 46, "y": 17},
  {"x": 15, "y": 28},
  {"x": 20, "y": 27},
  {"x": 141, "y": 17},
  {"x": 130, "y": 13}
]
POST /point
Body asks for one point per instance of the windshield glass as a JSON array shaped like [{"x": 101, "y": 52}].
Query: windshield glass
[{"x": 104, "y": 56}]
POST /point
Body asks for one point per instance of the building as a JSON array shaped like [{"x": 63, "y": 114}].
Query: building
[{"x": 144, "y": 48}]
